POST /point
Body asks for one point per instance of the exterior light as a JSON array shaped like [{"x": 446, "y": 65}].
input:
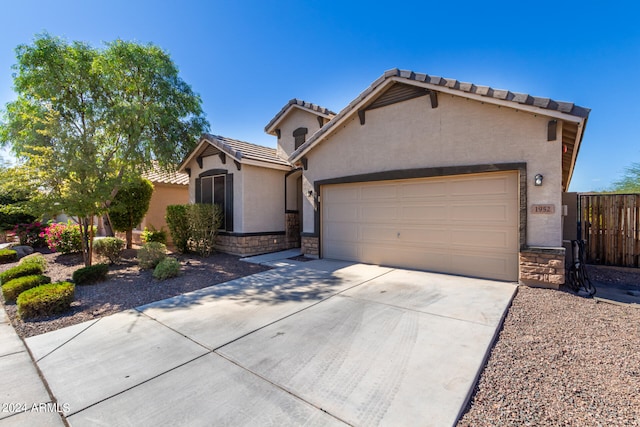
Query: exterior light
[
  {"x": 539, "y": 179},
  {"x": 310, "y": 193}
]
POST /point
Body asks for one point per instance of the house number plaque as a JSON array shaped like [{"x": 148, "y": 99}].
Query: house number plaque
[{"x": 543, "y": 209}]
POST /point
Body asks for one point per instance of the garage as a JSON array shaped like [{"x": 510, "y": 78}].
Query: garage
[{"x": 462, "y": 224}]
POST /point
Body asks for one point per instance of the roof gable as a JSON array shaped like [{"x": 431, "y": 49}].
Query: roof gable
[
  {"x": 239, "y": 151},
  {"x": 297, "y": 104}
]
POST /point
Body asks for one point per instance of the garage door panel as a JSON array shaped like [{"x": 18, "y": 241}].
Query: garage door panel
[
  {"x": 342, "y": 212},
  {"x": 378, "y": 213},
  {"x": 425, "y": 213},
  {"x": 463, "y": 225},
  {"x": 420, "y": 190},
  {"x": 343, "y": 232}
]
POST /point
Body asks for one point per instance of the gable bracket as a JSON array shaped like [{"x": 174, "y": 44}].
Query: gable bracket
[
  {"x": 361, "y": 115},
  {"x": 238, "y": 165},
  {"x": 320, "y": 121},
  {"x": 199, "y": 160},
  {"x": 188, "y": 171},
  {"x": 304, "y": 162},
  {"x": 223, "y": 157},
  {"x": 278, "y": 133},
  {"x": 552, "y": 130},
  {"x": 433, "y": 95}
]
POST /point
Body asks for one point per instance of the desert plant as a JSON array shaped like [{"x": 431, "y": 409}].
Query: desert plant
[
  {"x": 46, "y": 300},
  {"x": 34, "y": 258},
  {"x": 30, "y": 234},
  {"x": 110, "y": 247},
  {"x": 205, "y": 220},
  {"x": 15, "y": 287},
  {"x": 63, "y": 238},
  {"x": 154, "y": 235},
  {"x": 19, "y": 271},
  {"x": 150, "y": 254},
  {"x": 89, "y": 275},
  {"x": 178, "y": 222},
  {"x": 167, "y": 268},
  {"x": 8, "y": 255}
]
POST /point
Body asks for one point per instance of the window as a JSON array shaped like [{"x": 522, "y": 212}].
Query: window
[
  {"x": 300, "y": 136},
  {"x": 213, "y": 189}
]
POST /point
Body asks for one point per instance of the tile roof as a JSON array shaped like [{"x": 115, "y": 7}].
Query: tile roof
[
  {"x": 450, "y": 84},
  {"x": 158, "y": 176},
  {"x": 306, "y": 105},
  {"x": 245, "y": 150}
]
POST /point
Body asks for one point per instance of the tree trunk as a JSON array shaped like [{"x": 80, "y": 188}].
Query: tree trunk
[
  {"x": 108, "y": 228},
  {"x": 84, "y": 233},
  {"x": 129, "y": 239}
]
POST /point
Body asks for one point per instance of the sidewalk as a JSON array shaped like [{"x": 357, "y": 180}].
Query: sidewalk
[{"x": 24, "y": 399}]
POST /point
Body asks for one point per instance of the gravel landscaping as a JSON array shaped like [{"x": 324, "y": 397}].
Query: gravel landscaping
[
  {"x": 563, "y": 360},
  {"x": 127, "y": 286}
]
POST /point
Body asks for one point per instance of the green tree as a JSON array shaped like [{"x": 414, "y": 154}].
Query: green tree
[
  {"x": 86, "y": 120},
  {"x": 630, "y": 182},
  {"x": 15, "y": 198},
  {"x": 130, "y": 206}
]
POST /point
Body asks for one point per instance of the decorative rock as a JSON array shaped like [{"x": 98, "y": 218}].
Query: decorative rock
[{"x": 23, "y": 250}]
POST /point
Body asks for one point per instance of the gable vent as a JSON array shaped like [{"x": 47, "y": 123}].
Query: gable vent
[{"x": 397, "y": 93}]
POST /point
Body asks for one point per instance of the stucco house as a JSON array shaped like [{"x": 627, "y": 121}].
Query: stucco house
[{"x": 418, "y": 172}]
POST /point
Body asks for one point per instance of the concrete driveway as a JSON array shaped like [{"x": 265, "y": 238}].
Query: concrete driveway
[{"x": 321, "y": 343}]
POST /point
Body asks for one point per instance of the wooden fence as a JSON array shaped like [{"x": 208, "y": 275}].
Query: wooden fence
[{"x": 611, "y": 227}]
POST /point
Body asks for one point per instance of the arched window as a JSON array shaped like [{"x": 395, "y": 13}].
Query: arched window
[{"x": 300, "y": 136}]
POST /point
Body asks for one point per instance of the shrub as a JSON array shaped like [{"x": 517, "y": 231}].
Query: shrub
[
  {"x": 8, "y": 255},
  {"x": 110, "y": 247},
  {"x": 35, "y": 258},
  {"x": 63, "y": 238},
  {"x": 89, "y": 275},
  {"x": 154, "y": 235},
  {"x": 15, "y": 287},
  {"x": 30, "y": 234},
  {"x": 205, "y": 221},
  {"x": 46, "y": 300},
  {"x": 150, "y": 254},
  {"x": 167, "y": 268},
  {"x": 19, "y": 271},
  {"x": 130, "y": 205},
  {"x": 178, "y": 222}
]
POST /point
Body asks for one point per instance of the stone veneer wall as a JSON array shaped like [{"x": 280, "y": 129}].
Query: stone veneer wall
[
  {"x": 292, "y": 228},
  {"x": 310, "y": 245},
  {"x": 251, "y": 245},
  {"x": 542, "y": 267}
]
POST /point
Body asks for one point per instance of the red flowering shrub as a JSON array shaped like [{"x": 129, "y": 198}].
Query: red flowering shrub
[
  {"x": 31, "y": 234},
  {"x": 63, "y": 238}
]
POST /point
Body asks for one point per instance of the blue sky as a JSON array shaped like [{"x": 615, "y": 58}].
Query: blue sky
[{"x": 246, "y": 59}]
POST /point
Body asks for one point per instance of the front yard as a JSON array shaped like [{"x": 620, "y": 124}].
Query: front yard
[{"x": 127, "y": 286}]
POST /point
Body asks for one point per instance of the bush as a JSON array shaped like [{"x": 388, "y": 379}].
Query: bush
[
  {"x": 167, "y": 268},
  {"x": 35, "y": 258},
  {"x": 8, "y": 255},
  {"x": 15, "y": 287},
  {"x": 19, "y": 271},
  {"x": 154, "y": 235},
  {"x": 178, "y": 222},
  {"x": 30, "y": 234},
  {"x": 46, "y": 300},
  {"x": 205, "y": 221},
  {"x": 63, "y": 238},
  {"x": 89, "y": 275},
  {"x": 150, "y": 254},
  {"x": 110, "y": 247}
]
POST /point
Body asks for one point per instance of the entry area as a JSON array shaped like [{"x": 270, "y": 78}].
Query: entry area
[{"x": 461, "y": 224}]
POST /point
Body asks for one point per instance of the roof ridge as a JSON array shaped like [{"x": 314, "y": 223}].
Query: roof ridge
[{"x": 300, "y": 103}]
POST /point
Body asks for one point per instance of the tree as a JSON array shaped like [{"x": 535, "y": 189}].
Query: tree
[
  {"x": 130, "y": 206},
  {"x": 86, "y": 120},
  {"x": 630, "y": 182},
  {"x": 14, "y": 198}
]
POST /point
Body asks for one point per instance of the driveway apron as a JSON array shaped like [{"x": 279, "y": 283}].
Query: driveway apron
[{"x": 321, "y": 343}]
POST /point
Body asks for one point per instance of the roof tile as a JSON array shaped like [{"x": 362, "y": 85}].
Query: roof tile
[{"x": 246, "y": 150}]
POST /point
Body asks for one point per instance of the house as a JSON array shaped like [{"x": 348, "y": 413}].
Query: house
[{"x": 417, "y": 172}]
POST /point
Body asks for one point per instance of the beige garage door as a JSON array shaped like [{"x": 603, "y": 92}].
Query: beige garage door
[{"x": 463, "y": 224}]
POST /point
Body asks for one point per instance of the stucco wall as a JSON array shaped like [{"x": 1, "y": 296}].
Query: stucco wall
[
  {"x": 263, "y": 199},
  {"x": 214, "y": 162},
  {"x": 411, "y": 134},
  {"x": 163, "y": 196},
  {"x": 296, "y": 118}
]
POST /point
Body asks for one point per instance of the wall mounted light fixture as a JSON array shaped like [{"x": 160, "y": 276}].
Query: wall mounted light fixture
[
  {"x": 310, "y": 193},
  {"x": 538, "y": 180}
]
